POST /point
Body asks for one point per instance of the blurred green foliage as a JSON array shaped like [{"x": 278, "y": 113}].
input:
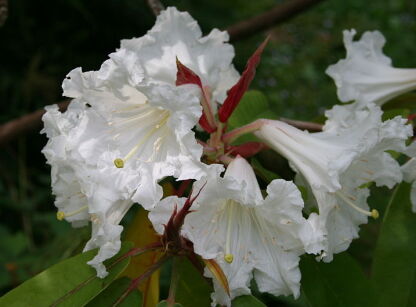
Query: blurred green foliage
[{"x": 42, "y": 41}]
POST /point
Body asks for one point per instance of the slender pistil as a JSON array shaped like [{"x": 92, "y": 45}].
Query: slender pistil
[
  {"x": 373, "y": 213},
  {"x": 228, "y": 257}
]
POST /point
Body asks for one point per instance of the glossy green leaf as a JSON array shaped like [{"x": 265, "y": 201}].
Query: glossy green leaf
[
  {"x": 113, "y": 292},
  {"x": 247, "y": 301},
  {"x": 193, "y": 289},
  {"x": 340, "y": 283},
  {"x": 71, "y": 282},
  {"x": 394, "y": 266}
]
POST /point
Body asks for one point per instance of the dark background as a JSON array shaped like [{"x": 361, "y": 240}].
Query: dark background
[{"x": 42, "y": 41}]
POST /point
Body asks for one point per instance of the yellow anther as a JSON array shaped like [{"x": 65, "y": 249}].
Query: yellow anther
[
  {"x": 374, "y": 214},
  {"x": 228, "y": 258},
  {"x": 60, "y": 215},
  {"x": 119, "y": 163}
]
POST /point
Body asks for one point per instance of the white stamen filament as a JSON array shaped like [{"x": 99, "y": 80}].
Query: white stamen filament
[
  {"x": 60, "y": 215},
  {"x": 228, "y": 257},
  {"x": 373, "y": 213},
  {"x": 119, "y": 162}
]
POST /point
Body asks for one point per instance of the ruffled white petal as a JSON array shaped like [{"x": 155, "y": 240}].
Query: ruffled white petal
[
  {"x": 366, "y": 74},
  {"x": 86, "y": 185},
  {"x": 336, "y": 162},
  {"x": 231, "y": 218},
  {"x": 149, "y": 118},
  {"x": 177, "y": 34}
]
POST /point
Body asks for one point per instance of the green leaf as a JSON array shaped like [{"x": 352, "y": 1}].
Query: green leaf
[
  {"x": 253, "y": 105},
  {"x": 192, "y": 289},
  {"x": 340, "y": 283},
  {"x": 389, "y": 114},
  {"x": 164, "y": 303},
  {"x": 262, "y": 172},
  {"x": 71, "y": 282},
  {"x": 394, "y": 266},
  {"x": 405, "y": 101},
  {"x": 110, "y": 295},
  {"x": 247, "y": 301}
]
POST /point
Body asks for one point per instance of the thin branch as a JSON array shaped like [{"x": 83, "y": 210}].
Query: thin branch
[
  {"x": 156, "y": 6},
  {"x": 24, "y": 124},
  {"x": 4, "y": 11},
  {"x": 278, "y": 14}
]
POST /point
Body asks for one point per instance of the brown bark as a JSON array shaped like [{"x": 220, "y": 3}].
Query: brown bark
[{"x": 20, "y": 126}]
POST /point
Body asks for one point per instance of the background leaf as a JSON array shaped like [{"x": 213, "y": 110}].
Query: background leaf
[
  {"x": 253, "y": 105},
  {"x": 52, "y": 286},
  {"x": 394, "y": 267},
  {"x": 247, "y": 301},
  {"x": 113, "y": 292},
  {"x": 141, "y": 233},
  {"x": 193, "y": 289},
  {"x": 340, "y": 283}
]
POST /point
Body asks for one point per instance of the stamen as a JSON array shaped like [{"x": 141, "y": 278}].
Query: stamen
[
  {"x": 60, "y": 215},
  {"x": 373, "y": 213},
  {"x": 228, "y": 257},
  {"x": 119, "y": 162}
]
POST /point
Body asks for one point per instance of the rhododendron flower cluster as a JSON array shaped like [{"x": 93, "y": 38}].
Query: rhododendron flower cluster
[{"x": 132, "y": 124}]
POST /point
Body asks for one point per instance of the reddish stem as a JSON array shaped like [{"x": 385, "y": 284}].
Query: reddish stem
[{"x": 135, "y": 282}]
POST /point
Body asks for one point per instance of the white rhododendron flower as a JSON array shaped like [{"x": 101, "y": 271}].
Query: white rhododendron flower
[
  {"x": 409, "y": 173},
  {"x": 337, "y": 163},
  {"x": 87, "y": 188},
  {"x": 149, "y": 118},
  {"x": 177, "y": 35},
  {"x": 366, "y": 74},
  {"x": 247, "y": 235}
]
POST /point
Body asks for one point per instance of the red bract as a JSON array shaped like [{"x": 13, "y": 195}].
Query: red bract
[
  {"x": 203, "y": 122},
  {"x": 237, "y": 91},
  {"x": 246, "y": 150},
  {"x": 186, "y": 76},
  {"x": 172, "y": 235}
]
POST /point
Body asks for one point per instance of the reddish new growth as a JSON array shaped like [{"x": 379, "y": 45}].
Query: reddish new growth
[
  {"x": 218, "y": 148},
  {"x": 237, "y": 91},
  {"x": 171, "y": 238},
  {"x": 186, "y": 76}
]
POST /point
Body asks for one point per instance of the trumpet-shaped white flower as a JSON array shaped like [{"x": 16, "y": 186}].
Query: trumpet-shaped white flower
[
  {"x": 366, "y": 74},
  {"x": 409, "y": 173},
  {"x": 247, "y": 235},
  {"x": 337, "y": 163},
  {"x": 87, "y": 188},
  {"x": 150, "y": 119}
]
